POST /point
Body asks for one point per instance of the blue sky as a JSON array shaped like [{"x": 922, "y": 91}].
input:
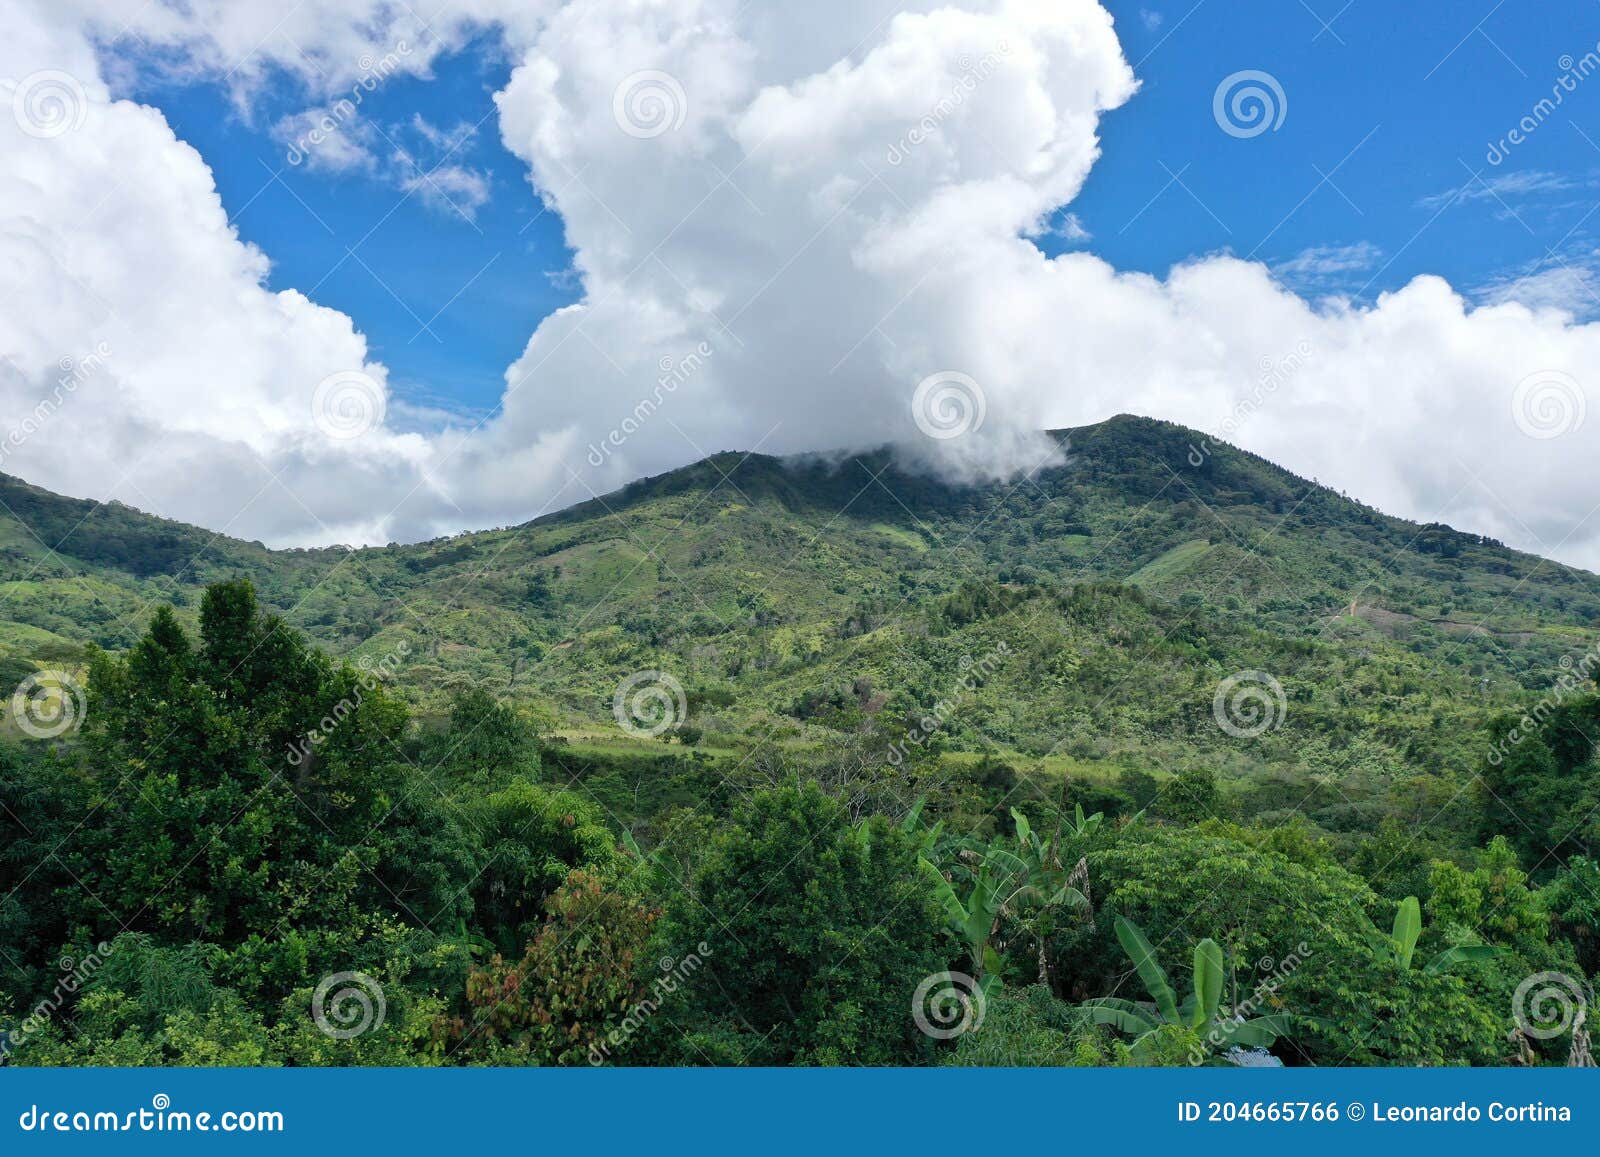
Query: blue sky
[
  {"x": 1389, "y": 108},
  {"x": 1393, "y": 103},
  {"x": 767, "y": 244},
  {"x": 446, "y": 293}
]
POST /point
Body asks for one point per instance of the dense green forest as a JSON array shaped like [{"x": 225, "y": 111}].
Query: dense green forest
[{"x": 1130, "y": 762}]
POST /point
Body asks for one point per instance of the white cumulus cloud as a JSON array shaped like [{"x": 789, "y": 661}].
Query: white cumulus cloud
[{"x": 783, "y": 218}]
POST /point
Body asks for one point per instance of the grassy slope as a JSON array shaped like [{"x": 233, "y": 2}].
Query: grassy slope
[{"x": 776, "y": 581}]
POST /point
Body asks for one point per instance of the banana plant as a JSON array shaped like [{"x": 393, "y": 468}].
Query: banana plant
[
  {"x": 1081, "y": 827},
  {"x": 1064, "y": 887},
  {"x": 1201, "y": 1010},
  {"x": 988, "y": 884},
  {"x": 972, "y": 919},
  {"x": 1399, "y": 946},
  {"x": 928, "y": 839}
]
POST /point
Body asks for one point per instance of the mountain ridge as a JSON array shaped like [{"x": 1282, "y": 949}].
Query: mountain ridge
[
  {"x": 811, "y": 461},
  {"x": 719, "y": 546}
]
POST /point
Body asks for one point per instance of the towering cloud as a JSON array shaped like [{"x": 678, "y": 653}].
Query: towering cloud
[{"x": 797, "y": 228}]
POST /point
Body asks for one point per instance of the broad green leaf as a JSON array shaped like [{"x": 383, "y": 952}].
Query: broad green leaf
[
  {"x": 1144, "y": 962},
  {"x": 1024, "y": 830},
  {"x": 1122, "y": 1015},
  {"x": 1207, "y": 981},
  {"x": 1407, "y": 928},
  {"x": 1461, "y": 954},
  {"x": 1258, "y": 1033}
]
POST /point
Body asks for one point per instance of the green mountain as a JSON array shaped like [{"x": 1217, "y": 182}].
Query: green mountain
[
  {"x": 801, "y": 603},
  {"x": 824, "y": 713}
]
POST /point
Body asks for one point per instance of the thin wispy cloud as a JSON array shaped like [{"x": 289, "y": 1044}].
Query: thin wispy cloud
[
  {"x": 1569, "y": 284},
  {"x": 414, "y": 155},
  {"x": 1505, "y": 187},
  {"x": 1324, "y": 267}
]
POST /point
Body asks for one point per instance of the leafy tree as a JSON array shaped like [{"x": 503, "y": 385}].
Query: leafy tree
[
  {"x": 820, "y": 934},
  {"x": 1573, "y": 902},
  {"x": 1493, "y": 901},
  {"x": 1028, "y": 1027},
  {"x": 583, "y": 977},
  {"x": 1300, "y": 935},
  {"x": 1140, "y": 787},
  {"x": 530, "y": 840},
  {"x": 1022, "y": 878},
  {"x": 1190, "y": 797},
  {"x": 1373, "y": 1012},
  {"x": 1536, "y": 792},
  {"x": 41, "y": 803},
  {"x": 486, "y": 743}
]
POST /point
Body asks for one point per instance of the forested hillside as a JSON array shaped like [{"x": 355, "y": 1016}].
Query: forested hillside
[{"x": 760, "y": 746}]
